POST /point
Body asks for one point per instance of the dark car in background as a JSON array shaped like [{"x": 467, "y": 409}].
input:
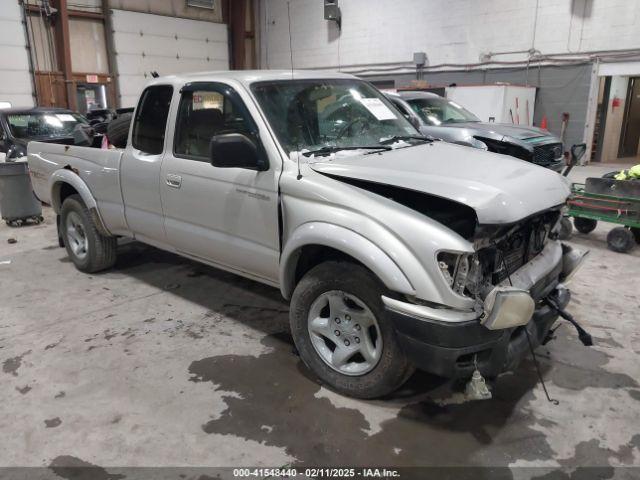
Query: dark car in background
[
  {"x": 441, "y": 118},
  {"x": 18, "y": 126}
]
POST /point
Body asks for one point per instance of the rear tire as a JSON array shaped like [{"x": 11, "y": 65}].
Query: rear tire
[
  {"x": 352, "y": 294},
  {"x": 118, "y": 130},
  {"x": 88, "y": 249},
  {"x": 585, "y": 225},
  {"x": 621, "y": 240}
]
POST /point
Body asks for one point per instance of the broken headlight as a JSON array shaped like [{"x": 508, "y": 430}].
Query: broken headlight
[
  {"x": 462, "y": 272},
  {"x": 454, "y": 268}
]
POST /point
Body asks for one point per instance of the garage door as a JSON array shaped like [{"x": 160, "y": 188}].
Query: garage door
[
  {"x": 144, "y": 42},
  {"x": 15, "y": 79}
]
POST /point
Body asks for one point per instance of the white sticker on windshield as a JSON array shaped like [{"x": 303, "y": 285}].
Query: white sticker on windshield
[
  {"x": 65, "y": 117},
  {"x": 378, "y": 109}
]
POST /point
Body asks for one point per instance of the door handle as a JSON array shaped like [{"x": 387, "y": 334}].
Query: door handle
[{"x": 174, "y": 181}]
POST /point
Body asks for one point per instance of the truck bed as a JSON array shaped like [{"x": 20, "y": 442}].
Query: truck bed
[{"x": 99, "y": 169}]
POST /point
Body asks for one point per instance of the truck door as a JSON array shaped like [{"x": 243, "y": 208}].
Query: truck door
[
  {"x": 140, "y": 165},
  {"x": 225, "y": 216}
]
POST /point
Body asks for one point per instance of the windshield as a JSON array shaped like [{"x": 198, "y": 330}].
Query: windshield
[
  {"x": 328, "y": 113},
  {"x": 438, "y": 111},
  {"x": 44, "y": 125}
]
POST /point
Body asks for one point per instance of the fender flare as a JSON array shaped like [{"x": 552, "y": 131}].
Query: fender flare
[
  {"x": 346, "y": 241},
  {"x": 62, "y": 176}
]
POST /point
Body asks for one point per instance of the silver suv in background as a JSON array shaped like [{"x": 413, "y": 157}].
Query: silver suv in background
[{"x": 441, "y": 118}]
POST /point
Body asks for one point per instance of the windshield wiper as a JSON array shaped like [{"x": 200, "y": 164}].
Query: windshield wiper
[
  {"x": 397, "y": 138},
  {"x": 461, "y": 121},
  {"x": 332, "y": 149}
]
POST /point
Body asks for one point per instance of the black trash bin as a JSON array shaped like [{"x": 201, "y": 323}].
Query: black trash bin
[{"x": 18, "y": 203}]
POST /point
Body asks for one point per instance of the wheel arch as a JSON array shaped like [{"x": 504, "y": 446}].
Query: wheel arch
[
  {"x": 313, "y": 243},
  {"x": 66, "y": 182}
]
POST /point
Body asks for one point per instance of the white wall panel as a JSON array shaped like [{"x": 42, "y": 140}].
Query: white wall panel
[
  {"x": 83, "y": 32},
  {"x": 383, "y": 32},
  {"x": 15, "y": 79},
  {"x": 170, "y": 8},
  {"x": 145, "y": 42}
]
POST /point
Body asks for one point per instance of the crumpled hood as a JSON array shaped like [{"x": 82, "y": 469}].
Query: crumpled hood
[
  {"x": 519, "y": 132},
  {"x": 500, "y": 189}
]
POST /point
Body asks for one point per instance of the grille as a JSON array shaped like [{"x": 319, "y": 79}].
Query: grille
[
  {"x": 549, "y": 153},
  {"x": 522, "y": 245},
  {"x": 514, "y": 257},
  {"x": 517, "y": 244}
]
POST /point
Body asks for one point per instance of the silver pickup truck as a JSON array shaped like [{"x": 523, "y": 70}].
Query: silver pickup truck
[{"x": 394, "y": 250}]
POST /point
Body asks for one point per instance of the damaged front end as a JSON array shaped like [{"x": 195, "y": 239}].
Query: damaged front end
[
  {"x": 513, "y": 268},
  {"x": 490, "y": 248},
  {"x": 516, "y": 275}
]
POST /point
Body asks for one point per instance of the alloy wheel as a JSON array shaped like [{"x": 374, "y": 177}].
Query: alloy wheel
[
  {"x": 76, "y": 235},
  {"x": 345, "y": 333}
]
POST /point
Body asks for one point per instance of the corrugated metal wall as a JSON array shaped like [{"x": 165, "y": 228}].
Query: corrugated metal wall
[
  {"x": 560, "y": 89},
  {"x": 15, "y": 79},
  {"x": 145, "y": 42}
]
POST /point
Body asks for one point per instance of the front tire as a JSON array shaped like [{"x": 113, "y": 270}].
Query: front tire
[
  {"x": 88, "y": 249},
  {"x": 340, "y": 329}
]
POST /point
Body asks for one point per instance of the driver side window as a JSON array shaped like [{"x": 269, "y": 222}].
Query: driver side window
[{"x": 203, "y": 114}]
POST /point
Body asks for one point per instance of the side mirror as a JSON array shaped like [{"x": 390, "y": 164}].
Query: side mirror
[
  {"x": 235, "y": 150},
  {"x": 577, "y": 152}
]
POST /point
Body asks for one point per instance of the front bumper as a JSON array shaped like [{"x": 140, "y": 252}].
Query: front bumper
[
  {"x": 451, "y": 343},
  {"x": 452, "y": 349}
]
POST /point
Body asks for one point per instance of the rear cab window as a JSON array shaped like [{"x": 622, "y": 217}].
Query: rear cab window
[{"x": 150, "y": 122}]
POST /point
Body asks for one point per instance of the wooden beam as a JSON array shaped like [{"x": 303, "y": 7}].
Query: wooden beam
[
  {"x": 35, "y": 9},
  {"x": 225, "y": 10},
  {"x": 32, "y": 8},
  {"x": 85, "y": 14},
  {"x": 63, "y": 49},
  {"x": 250, "y": 34},
  {"x": 237, "y": 26}
]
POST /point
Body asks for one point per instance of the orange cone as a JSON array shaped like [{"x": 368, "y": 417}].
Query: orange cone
[{"x": 543, "y": 123}]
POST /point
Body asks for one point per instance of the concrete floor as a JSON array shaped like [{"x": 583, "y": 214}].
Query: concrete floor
[{"x": 164, "y": 362}]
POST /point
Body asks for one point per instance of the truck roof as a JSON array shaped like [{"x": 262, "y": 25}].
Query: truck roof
[
  {"x": 415, "y": 94},
  {"x": 29, "y": 110},
  {"x": 248, "y": 77}
]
